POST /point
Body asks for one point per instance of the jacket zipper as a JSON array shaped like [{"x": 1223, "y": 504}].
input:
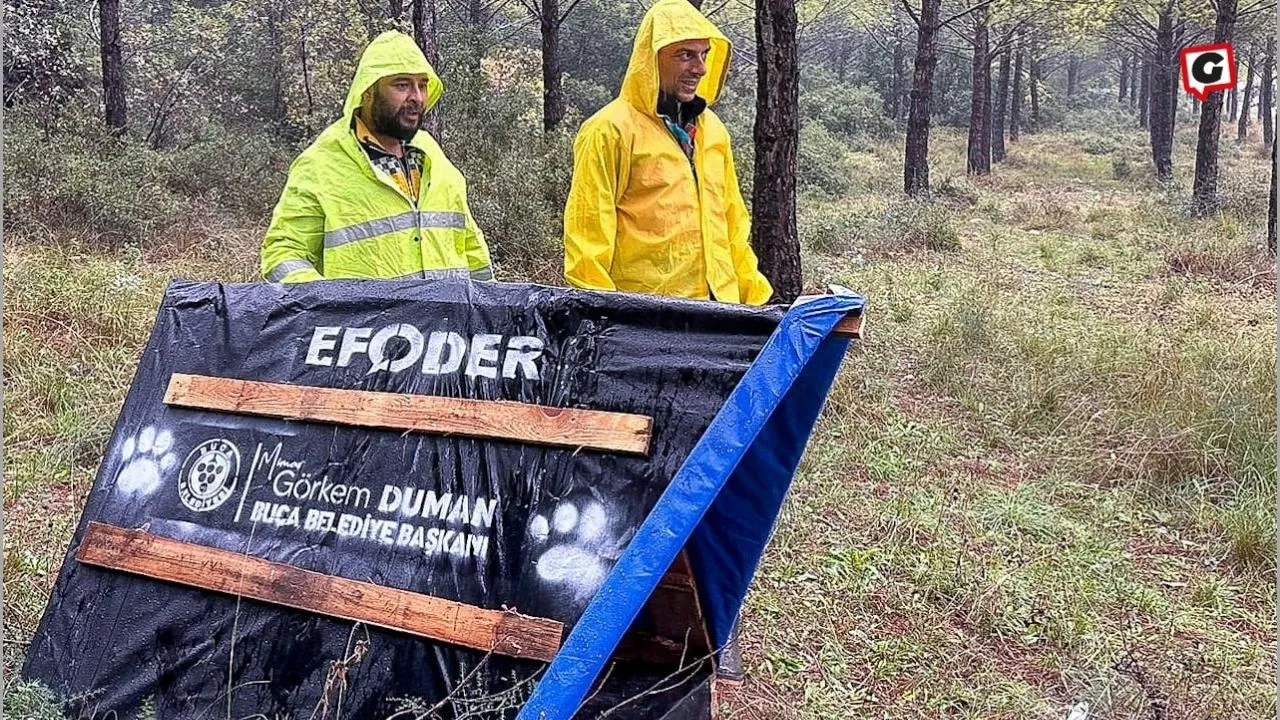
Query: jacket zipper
[
  {"x": 691, "y": 168},
  {"x": 413, "y": 206}
]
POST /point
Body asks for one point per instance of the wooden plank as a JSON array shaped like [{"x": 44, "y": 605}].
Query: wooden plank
[
  {"x": 141, "y": 553},
  {"x": 850, "y": 326},
  {"x": 498, "y": 419}
]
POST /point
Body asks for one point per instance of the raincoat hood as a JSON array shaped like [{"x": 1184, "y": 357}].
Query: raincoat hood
[
  {"x": 667, "y": 22},
  {"x": 391, "y": 53}
]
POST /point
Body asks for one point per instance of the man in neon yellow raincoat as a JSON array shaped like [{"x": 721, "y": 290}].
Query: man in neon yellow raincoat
[
  {"x": 374, "y": 196},
  {"x": 655, "y": 206}
]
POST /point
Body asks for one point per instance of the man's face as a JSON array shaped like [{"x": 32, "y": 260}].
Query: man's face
[
  {"x": 680, "y": 67},
  {"x": 397, "y": 105}
]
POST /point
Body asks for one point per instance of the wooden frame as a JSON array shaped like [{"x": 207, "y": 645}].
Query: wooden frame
[
  {"x": 490, "y": 419},
  {"x": 850, "y": 326},
  {"x": 161, "y": 558}
]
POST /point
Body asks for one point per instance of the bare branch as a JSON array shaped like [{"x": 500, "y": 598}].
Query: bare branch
[
  {"x": 1132, "y": 15},
  {"x": 1006, "y": 40},
  {"x": 566, "y": 12},
  {"x": 964, "y": 12},
  {"x": 906, "y": 5},
  {"x": 717, "y": 9},
  {"x": 515, "y": 27},
  {"x": 880, "y": 43},
  {"x": 1141, "y": 48},
  {"x": 532, "y": 8},
  {"x": 1260, "y": 6}
]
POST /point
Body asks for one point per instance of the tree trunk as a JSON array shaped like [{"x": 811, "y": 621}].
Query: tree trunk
[
  {"x": 1267, "y": 72},
  {"x": 916, "y": 163},
  {"x": 842, "y": 60},
  {"x": 306, "y": 83},
  {"x": 1073, "y": 77},
  {"x": 1232, "y": 104},
  {"x": 1161, "y": 101},
  {"x": 552, "y": 92},
  {"x": 1144, "y": 94},
  {"x": 1271, "y": 212},
  {"x": 396, "y": 10},
  {"x": 1000, "y": 108},
  {"x": 774, "y": 236},
  {"x": 899, "y": 76},
  {"x": 904, "y": 84},
  {"x": 696, "y": 3},
  {"x": 1260, "y": 90},
  {"x": 426, "y": 35},
  {"x": 1033, "y": 80},
  {"x": 1204, "y": 193},
  {"x": 1134, "y": 69},
  {"x": 473, "y": 41},
  {"x": 1124, "y": 78},
  {"x": 1242, "y": 129},
  {"x": 112, "y": 65},
  {"x": 980, "y": 98},
  {"x": 1266, "y": 95},
  {"x": 1015, "y": 97},
  {"x": 275, "y": 46}
]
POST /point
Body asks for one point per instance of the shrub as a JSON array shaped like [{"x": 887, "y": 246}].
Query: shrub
[
  {"x": 1231, "y": 264},
  {"x": 958, "y": 191},
  {"x": 1121, "y": 168},
  {"x": 823, "y": 162},
  {"x": 101, "y": 189},
  {"x": 517, "y": 178},
  {"x": 238, "y": 170},
  {"x": 1250, "y": 531},
  {"x": 828, "y": 229},
  {"x": 1048, "y": 212},
  {"x": 1098, "y": 145},
  {"x": 586, "y": 96},
  {"x": 853, "y": 113},
  {"x": 1108, "y": 118},
  {"x": 116, "y": 192},
  {"x": 1244, "y": 190},
  {"x": 914, "y": 225},
  {"x": 31, "y": 701}
]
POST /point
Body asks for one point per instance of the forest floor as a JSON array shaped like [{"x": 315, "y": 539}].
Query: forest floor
[{"x": 1046, "y": 476}]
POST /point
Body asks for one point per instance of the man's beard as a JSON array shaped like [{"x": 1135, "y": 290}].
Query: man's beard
[{"x": 392, "y": 122}]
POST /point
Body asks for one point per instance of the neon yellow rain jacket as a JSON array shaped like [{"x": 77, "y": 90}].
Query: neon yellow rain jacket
[
  {"x": 636, "y": 219},
  {"x": 338, "y": 217}
]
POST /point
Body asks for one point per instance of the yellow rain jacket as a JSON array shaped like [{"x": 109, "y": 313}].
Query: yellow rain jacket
[
  {"x": 636, "y": 219},
  {"x": 339, "y": 217}
]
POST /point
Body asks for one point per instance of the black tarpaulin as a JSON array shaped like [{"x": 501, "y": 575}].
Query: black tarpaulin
[{"x": 488, "y": 522}]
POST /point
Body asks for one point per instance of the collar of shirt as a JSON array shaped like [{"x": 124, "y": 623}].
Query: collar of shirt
[
  {"x": 405, "y": 170},
  {"x": 681, "y": 119}
]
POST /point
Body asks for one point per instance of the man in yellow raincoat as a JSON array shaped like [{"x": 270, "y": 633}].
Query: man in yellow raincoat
[
  {"x": 374, "y": 196},
  {"x": 655, "y": 206}
]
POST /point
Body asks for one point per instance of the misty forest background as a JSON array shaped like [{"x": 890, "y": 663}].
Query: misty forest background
[{"x": 1046, "y": 477}]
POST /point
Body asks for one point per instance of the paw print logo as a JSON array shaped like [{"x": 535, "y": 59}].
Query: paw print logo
[
  {"x": 145, "y": 456},
  {"x": 209, "y": 475},
  {"x": 576, "y": 547}
]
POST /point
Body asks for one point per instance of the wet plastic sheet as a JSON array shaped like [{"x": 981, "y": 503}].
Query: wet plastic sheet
[
  {"x": 723, "y": 501},
  {"x": 488, "y": 522}
]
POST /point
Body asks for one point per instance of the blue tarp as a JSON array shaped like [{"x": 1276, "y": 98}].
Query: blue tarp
[{"x": 722, "y": 504}]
